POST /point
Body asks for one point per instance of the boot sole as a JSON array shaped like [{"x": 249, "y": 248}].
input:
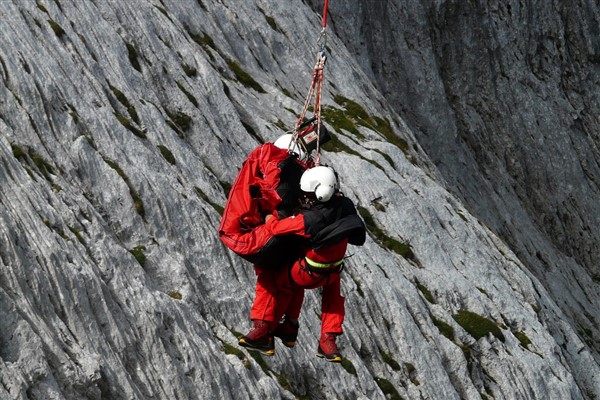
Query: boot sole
[
  {"x": 287, "y": 343},
  {"x": 263, "y": 350},
  {"x": 335, "y": 359}
]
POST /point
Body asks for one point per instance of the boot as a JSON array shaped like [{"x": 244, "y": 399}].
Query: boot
[
  {"x": 259, "y": 338},
  {"x": 328, "y": 349},
  {"x": 287, "y": 331}
]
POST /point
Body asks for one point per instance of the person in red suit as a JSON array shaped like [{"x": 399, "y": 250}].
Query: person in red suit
[
  {"x": 265, "y": 191},
  {"x": 330, "y": 223}
]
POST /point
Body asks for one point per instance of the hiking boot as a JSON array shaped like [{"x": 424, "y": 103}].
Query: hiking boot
[
  {"x": 287, "y": 331},
  {"x": 259, "y": 338},
  {"x": 328, "y": 349}
]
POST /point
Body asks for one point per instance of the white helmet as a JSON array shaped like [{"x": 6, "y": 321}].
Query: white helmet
[
  {"x": 321, "y": 181},
  {"x": 286, "y": 142}
]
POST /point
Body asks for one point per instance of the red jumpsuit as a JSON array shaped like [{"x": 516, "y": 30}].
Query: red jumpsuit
[
  {"x": 329, "y": 227},
  {"x": 253, "y": 195},
  {"x": 291, "y": 283}
]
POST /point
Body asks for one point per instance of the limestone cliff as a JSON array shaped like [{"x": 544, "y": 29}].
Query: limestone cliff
[{"x": 466, "y": 132}]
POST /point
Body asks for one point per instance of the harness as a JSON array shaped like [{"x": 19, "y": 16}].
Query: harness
[
  {"x": 323, "y": 268},
  {"x": 316, "y": 132}
]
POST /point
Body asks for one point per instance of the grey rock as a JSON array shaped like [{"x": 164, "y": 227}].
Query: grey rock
[{"x": 122, "y": 124}]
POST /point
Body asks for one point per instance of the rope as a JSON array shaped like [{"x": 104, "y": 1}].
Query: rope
[
  {"x": 316, "y": 86},
  {"x": 325, "y": 13}
]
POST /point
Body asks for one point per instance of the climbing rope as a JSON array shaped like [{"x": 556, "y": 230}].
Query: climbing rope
[{"x": 315, "y": 89}]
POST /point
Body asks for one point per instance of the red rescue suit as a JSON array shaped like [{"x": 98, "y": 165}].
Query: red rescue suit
[
  {"x": 267, "y": 183},
  {"x": 330, "y": 226}
]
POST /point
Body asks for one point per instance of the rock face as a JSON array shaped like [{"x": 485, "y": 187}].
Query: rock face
[{"x": 467, "y": 133}]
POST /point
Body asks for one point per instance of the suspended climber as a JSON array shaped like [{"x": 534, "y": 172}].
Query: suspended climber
[{"x": 285, "y": 214}]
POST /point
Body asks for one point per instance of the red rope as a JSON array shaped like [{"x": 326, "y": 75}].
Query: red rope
[{"x": 316, "y": 86}]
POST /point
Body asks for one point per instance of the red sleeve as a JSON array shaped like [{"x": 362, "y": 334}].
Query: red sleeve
[{"x": 293, "y": 225}]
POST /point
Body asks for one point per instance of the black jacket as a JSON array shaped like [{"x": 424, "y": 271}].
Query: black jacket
[{"x": 332, "y": 221}]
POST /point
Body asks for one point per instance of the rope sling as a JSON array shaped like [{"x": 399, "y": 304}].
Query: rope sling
[{"x": 315, "y": 90}]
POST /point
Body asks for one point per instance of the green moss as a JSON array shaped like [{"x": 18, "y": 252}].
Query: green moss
[
  {"x": 58, "y": 30},
  {"x": 339, "y": 120},
  {"x": 252, "y": 132},
  {"x": 125, "y": 102},
  {"x": 426, "y": 293},
  {"x": 180, "y": 120},
  {"x": 476, "y": 325},
  {"x": 229, "y": 349},
  {"x": 41, "y": 7},
  {"x": 167, "y": 154},
  {"x": 354, "y": 114},
  {"x": 388, "y": 389},
  {"x": 206, "y": 42},
  {"x": 40, "y": 163},
  {"x": 383, "y": 126},
  {"x": 353, "y": 108},
  {"x": 283, "y": 382},
  {"x": 243, "y": 77},
  {"x": 204, "y": 197},
  {"x": 190, "y": 96},
  {"x": 164, "y": 12},
  {"x": 189, "y": 70},
  {"x": 77, "y": 233},
  {"x": 523, "y": 339},
  {"x": 175, "y": 294},
  {"x": 137, "y": 200},
  {"x": 385, "y": 241},
  {"x": 412, "y": 371},
  {"x": 281, "y": 125},
  {"x": 348, "y": 366},
  {"x": 44, "y": 167},
  {"x": 390, "y": 361},
  {"x": 444, "y": 328},
  {"x": 138, "y": 253},
  {"x": 73, "y": 112},
  {"x": 335, "y": 145},
  {"x": 18, "y": 153},
  {"x": 129, "y": 126},
  {"x": 272, "y": 23},
  {"x": 386, "y": 157},
  {"x": 260, "y": 360},
  {"x": 133, "y": 57}
]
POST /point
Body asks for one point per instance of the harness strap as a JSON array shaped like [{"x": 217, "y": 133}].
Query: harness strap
[{"x": 323, "y": 266}]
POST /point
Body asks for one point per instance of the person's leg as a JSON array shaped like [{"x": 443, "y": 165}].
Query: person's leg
[
  {"x": 263, "y": 306},
  {"x": 332, "y": 306},
  {"x": 332, "y": 318},
  {"x": 289, "y": 304},
  {"x": 262, "y": 314}
]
